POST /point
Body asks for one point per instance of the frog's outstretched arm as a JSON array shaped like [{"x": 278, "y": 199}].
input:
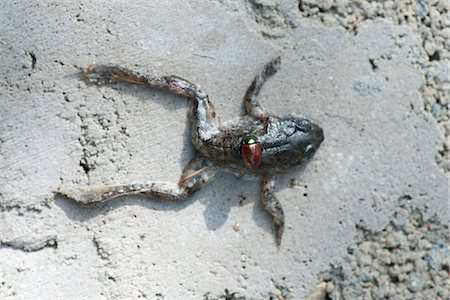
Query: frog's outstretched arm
[
  {"x": 202, "y": 113},
  {"x": 196, "y": 175},
  {"x": 250, "y": 102},
  {"x": 272, "y": 206}
]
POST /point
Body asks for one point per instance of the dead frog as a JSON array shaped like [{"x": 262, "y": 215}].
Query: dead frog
[{"x": 258, "y": 144}]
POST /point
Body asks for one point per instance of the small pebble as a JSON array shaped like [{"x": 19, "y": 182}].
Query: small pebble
[
  {"x": 421, "y": 265},
  {"x": 436, "y": 110},
  {"x": 416, "y": 284},
  {"x": 365, "y": 260},
  {"x": 430, "y": 47}
]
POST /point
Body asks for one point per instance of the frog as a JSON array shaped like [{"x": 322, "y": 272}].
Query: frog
[{"x": 258, "y": 145}]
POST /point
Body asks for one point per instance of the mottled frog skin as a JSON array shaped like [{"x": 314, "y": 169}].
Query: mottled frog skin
[{"x": 258, "y": 144}]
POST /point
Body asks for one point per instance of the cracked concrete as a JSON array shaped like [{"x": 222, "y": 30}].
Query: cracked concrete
[{"x": 364, "y": 89}]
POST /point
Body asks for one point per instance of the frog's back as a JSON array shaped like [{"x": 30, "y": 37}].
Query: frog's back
[{"x": 224, "y": 146}]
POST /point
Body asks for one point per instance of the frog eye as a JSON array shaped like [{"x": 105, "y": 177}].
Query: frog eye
[{"x": 251, "y": 151}]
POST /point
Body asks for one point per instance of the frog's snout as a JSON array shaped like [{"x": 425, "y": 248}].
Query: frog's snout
[
  {"x": 310, "y": 137},
  {"x": 317, "y": 134},
  {"x": 314, "y": 133},
  {"x": 316, "y": 138}
]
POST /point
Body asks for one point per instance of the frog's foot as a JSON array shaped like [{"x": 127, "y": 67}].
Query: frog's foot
[
  {"x": 101, "y": 74},
  {"x": 83, "y": 197},
  {"x": 273, "y": 207}
]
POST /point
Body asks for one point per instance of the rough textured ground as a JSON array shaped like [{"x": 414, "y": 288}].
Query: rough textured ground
[
  {"x": 408, "y": 259},
  {"x": 366, "y": 218}
]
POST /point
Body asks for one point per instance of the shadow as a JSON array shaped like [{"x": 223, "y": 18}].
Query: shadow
[
  {"x": 261, "y": 217},
  {"x": 218, "y": 204}
]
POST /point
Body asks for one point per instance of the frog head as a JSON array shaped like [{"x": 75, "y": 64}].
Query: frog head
[{"x": 289, "y": 141}]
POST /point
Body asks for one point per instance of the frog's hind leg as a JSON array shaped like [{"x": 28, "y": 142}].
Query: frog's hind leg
[
  {"x": 250, "y": 102},
  {"x": 196, "y": 175},
  {"x": 202, "y": 113},
  {"x": 273, "y": 207}
]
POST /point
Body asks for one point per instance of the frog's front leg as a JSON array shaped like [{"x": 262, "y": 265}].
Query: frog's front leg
[
  {"x": 202, "y": 113},
  {"x": 272, "y": 206},
  {"x": 196, "y": 175},
  {"x": 250, "y": 102}
]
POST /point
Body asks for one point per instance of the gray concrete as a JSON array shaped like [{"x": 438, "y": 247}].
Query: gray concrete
[{"x": 380, "y": 145}]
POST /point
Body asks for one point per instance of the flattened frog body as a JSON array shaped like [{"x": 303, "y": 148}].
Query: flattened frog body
[{"x": 258, "y": 144}]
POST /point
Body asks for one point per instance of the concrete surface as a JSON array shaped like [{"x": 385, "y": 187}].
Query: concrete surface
[{"x": 364, "y": 89}]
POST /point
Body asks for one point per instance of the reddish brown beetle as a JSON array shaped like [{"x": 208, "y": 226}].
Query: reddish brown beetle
[{"x": 251, "y": 151}]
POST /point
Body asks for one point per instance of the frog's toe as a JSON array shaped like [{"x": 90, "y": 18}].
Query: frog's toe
[
  {"x": 83, "y": 197},
  {"x": 99, "y": 74},
  {"x": 279, "y": 229},
  {"x": 273, "y": 66}
]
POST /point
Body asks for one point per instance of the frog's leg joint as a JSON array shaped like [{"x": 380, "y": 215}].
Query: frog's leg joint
[
  {"x": 250, "y": 102},
  {"x": 273, "y": 207}
]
